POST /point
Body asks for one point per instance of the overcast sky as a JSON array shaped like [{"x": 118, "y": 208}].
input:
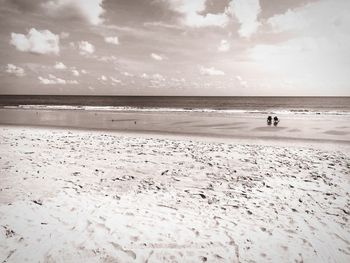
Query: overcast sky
[{"x": 175, "y": 47}]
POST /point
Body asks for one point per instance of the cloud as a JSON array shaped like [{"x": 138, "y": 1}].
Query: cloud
[
  {"x": 317, "y": 53},
  {"x": 318, "y": 19},
  {"x": 156, "y": 57},
  {"x": 53, "y": 80},
  {"x": 178, "y": 80},
  {"x": 85, "y": 48},
  {"x": 161, "y": 25},
  {"x": 75, "y": 72},
  {"x": 112, "y": 40},
  {"x": 24, "y": 5},
  {"x": 224, "y": 46},
  {"x": 90, "y": 11},
  {"x": 12, "y": 69},
  {"x": 115, "y": 80},
  {"x": 127, "y": 74},
  {"x": 246, "y": 12},
  {"x": 103, "y": 78},
  {"x": 36, "y": 41},
  {"x": 144, "y": 76},
  {"x": 192, "y": 16},
  {"x": 112, "y": 59},
  {"x": 211, "y": 71},
  {"x": 60, "y": 65},
  {"x": 153, "y": 77},
  {"x": 157, "y": 77}
]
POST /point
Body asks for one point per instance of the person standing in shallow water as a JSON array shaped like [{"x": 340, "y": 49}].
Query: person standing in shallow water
[
  {"x": 275, "y": 121},
  {"x": 269, "y": 120}
]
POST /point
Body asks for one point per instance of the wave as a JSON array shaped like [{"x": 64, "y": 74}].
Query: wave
[{"x": 205, "y": 110}]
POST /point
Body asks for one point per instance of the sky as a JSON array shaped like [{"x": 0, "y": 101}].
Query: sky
[{"x": 175, "y": 47}]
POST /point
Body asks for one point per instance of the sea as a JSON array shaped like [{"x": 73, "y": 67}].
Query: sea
[{"x": 296, "y": 105}]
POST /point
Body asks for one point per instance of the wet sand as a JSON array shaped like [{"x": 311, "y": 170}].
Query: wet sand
[{"x": 250, "y": 126}]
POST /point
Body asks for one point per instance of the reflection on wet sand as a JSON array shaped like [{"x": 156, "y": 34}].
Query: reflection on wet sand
[{"x": 213, "y": 124}]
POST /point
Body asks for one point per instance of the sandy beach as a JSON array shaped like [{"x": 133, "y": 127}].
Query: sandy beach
[
  {"x": 96, "y": 196},
  {"x": 175, "y": 131}
]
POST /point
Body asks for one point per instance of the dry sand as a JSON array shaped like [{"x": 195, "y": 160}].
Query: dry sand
[{"x": 89, "y": 196}]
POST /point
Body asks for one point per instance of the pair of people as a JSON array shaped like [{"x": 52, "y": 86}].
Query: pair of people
[{"x": 275, "y": 120}]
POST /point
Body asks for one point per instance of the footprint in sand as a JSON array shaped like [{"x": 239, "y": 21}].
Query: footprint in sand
[{"x": 130, "y": 253}]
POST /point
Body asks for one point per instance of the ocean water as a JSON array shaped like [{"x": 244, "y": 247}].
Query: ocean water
[
  {"x": 236, "y": 117},
  {"x": 297, "y": 105}
]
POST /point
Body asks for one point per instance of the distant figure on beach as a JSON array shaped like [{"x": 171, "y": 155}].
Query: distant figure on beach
[
  {"x": 269, "y": 120},
  {"x": 275, "y": 121}
]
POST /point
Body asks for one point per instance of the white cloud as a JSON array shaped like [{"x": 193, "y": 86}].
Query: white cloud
[
  {"x": 155, "y": 78},
  {"x": 12, "y": 69},
  {"x": 246, "y": 12},
  {"x": 36, "y": 41},
  {"x": 83, "y": 71},
  {"x": 156, "y": 57},
  {"x": 112, "y": 40},
  {"x": 75, "y": 72},
  {"x": 60, "y": 65},
  {"x": 85, "y": 48},
  {"x": 115, "y": 80},
  {"x": 46, "y": 81},
  {"x": 145, "y": 76},
  {"x": 161, "y": 24},
  {"x": 317, "y": 19},
  {"x": 178, "y": 80},
  {"x": 127, "y": 74},
  {"x": 108, "y": 59},
  {"x": 158, "y": 77},
  {"x": 224, "y": 46},
  {"x": 91, "y": 10},
  {"x": 211, "y": 71},
  {"x": 103, "y": 78},
  {"x": 53, "y": 80},
  {"x": 317, "y": 54},
  {"x": 192, "y": 17}
]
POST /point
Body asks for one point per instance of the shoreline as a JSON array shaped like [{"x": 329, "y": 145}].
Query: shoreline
[{"x": 188, "y": 123}]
